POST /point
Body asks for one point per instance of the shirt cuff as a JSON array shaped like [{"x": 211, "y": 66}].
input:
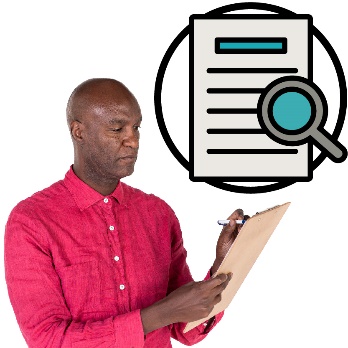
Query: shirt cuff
[{"x": 129, "y": 329}]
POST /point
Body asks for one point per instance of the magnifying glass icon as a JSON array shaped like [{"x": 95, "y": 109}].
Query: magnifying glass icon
[{"x": 293, "y": 110}]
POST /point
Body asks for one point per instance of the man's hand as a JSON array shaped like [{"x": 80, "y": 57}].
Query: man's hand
[
  {"x": 196, "y": 300},
  {"x": 227, "y": 237},
  {"x": 190, "y": 302}
]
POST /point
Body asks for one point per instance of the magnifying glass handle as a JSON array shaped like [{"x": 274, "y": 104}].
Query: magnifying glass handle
[{"x": 334, "y": 150}]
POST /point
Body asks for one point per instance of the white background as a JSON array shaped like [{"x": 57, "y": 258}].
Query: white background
[{"x": 296, "y": 294}]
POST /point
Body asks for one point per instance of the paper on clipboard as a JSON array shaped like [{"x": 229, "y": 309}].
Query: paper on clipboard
[{"x": 243, "y": 254}]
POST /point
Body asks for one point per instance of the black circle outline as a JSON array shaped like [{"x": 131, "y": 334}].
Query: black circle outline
[{"x": 174, "y": 45}]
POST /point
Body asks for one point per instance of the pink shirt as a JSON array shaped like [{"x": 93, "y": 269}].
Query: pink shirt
[{"x": 80, "y": 266}]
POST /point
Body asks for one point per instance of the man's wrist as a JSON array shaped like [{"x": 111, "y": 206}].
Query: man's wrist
[{"x": 156, "y": 316}]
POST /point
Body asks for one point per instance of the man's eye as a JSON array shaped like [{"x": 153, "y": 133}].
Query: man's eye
[
  {"x": 137, "y": 127},
  {"x": 116, "y": 130}
]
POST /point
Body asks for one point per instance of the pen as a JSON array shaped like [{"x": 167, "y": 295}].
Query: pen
[{"x": 226, "y": 222}]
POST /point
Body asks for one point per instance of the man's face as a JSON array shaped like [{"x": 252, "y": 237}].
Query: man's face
[{"x": 111, "y": 139}]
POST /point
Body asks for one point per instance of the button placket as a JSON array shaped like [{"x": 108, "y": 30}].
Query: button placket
[{"x": 114, "y": 242}]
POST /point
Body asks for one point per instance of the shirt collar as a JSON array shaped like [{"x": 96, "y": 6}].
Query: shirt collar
[{"x": 84, "y": 195}]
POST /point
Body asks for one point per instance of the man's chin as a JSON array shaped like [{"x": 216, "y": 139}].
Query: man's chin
[{"x": 126, "y": 171}]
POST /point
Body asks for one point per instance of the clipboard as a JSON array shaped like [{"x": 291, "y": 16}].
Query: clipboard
[{"x": 243, "y": 253}]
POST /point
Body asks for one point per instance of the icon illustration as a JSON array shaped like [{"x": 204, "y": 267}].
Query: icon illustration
[{"x": 253, "y": 100}]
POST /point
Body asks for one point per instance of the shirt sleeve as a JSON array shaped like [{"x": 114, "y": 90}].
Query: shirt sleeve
[
  {"x": 38, "y": 301},
  {"x": 180, "y": 275}
]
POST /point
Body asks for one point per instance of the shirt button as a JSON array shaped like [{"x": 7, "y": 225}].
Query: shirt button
[
  {"x": 122, "y": 287},
  {"x": 111, "y": 228},
  {"x": 106, "y": 200},
  {"x": 116, "y": 258}
]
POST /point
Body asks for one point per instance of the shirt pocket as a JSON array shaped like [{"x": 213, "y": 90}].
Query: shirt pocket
[{"x": 81, "y": 285}]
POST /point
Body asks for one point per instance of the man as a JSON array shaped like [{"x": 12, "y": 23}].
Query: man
[{"x": 93, "y": 262}]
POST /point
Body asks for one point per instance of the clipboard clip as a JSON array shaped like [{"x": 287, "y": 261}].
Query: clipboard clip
[{"x": 263, "y": 211}]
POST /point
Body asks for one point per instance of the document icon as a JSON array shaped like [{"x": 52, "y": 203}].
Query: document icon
[{"x": 233, "y": 58}]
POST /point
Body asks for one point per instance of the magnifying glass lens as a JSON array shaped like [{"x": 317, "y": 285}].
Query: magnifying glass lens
[{"x": 292, "y": 111}]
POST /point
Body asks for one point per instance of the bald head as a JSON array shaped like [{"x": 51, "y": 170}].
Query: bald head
[
  {"x": 96, "y": 96},
  {"x": 104, "y": 120}
]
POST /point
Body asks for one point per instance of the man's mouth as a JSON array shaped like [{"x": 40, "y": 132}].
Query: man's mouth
[{"x": 128, "y": 158}]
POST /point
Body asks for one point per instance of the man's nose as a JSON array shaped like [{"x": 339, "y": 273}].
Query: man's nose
[{"x": 131, "y": 139}]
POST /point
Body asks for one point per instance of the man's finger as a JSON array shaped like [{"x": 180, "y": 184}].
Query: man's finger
[
  {"x": 223, "y": 285},
  {"x": 237, "y": 214},
  {"x": 217, "y": 291},
  {"x": 233, "y": 223},
  {"x": 218, "y": 280},
  {"x": 217, "y": 299}
]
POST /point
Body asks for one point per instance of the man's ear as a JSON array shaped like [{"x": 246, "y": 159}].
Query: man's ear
[{"x": 76, "y": 130}]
